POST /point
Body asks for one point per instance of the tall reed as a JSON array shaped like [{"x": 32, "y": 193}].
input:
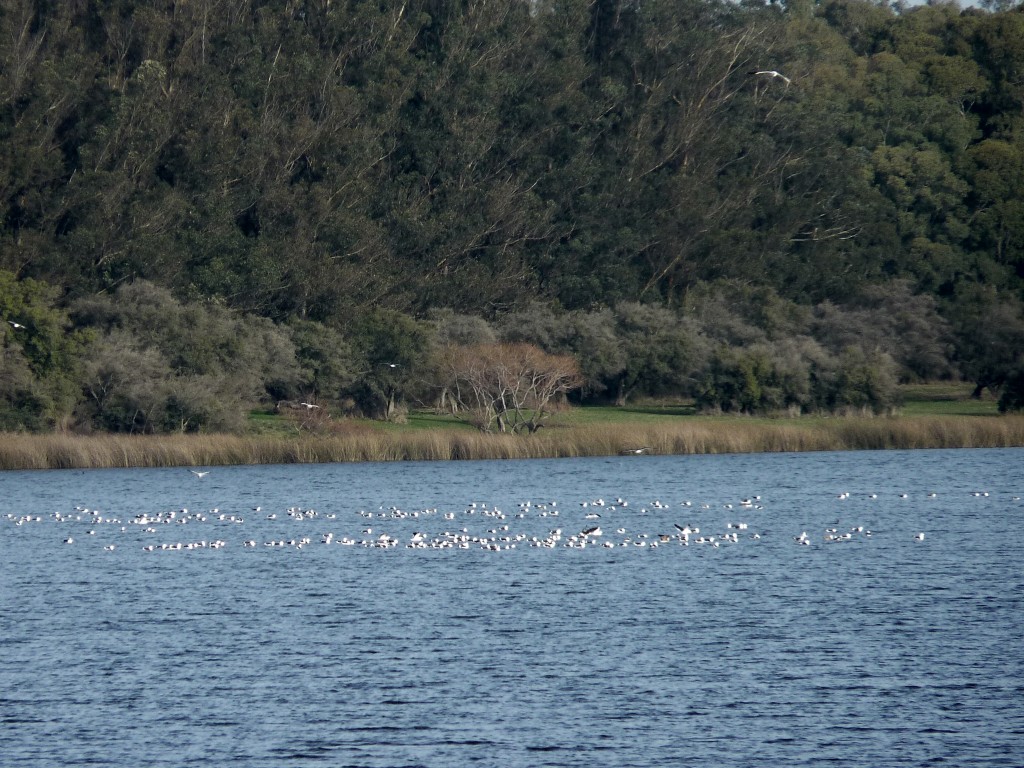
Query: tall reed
[{"x": 673, "y": 436}]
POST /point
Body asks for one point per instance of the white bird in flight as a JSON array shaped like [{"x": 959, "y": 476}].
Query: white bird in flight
[
  {"x": 199, "y": 474},
  {"x": 16, "y": 326},
  {"x": 773, "y": 73},
  {"x": 309, "y": 406}
]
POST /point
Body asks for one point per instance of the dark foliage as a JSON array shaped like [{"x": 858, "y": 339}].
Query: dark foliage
[{"x": 325, "y": 176}]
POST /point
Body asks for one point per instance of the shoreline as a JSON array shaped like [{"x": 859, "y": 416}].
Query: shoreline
[{"x": 683, "y": 437}]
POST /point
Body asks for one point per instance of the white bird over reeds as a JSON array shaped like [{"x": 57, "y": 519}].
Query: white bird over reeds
[
  {"x": 310, "y": 406},
  {"x": 772, "y": 73}
]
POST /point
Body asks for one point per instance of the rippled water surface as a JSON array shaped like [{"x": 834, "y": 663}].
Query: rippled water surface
[{"x": 423, "y": 644}]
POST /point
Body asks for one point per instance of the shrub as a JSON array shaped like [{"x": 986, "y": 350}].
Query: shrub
[
  {"x": 861, "y": 381},
  {"x": 1012, "y": 396},
  {"x": 161, "y": 366},
  {"x": 797, "y": 375}
]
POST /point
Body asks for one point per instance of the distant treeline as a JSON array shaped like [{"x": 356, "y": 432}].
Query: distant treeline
[
  {"x": 141, "y": 361},
  {"x": 209, "y": 205}
]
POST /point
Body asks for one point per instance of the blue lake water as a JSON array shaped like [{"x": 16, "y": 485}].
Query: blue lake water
[{"x": 445, "y": 624}]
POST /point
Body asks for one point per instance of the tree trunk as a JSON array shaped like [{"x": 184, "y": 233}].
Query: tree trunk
[{"x": 621, "y": 394}]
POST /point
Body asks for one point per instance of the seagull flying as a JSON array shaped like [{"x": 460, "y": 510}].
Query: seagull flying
[
  {"x": 16, "y": 326},
  {"x": 772, "y": 73},
  {"x": 309, "y": 406},
  {"x": 199, "y": 474}
]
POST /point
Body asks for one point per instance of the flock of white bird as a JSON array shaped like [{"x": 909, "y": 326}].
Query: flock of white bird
[{"x": 591, "y": 523}]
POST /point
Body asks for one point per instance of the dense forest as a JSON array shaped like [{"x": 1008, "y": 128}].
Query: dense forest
[{"x": 208, "y": 205}]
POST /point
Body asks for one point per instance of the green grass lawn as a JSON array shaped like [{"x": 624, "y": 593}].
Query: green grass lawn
[
  {"x": 943, "y": 399},
  {"x": 263, "y": 423},
  {"x": 946, "y": 399},
  {"x": 429, "y": 420}
]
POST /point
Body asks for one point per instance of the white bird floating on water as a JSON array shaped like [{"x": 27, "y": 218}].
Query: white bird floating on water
[{"x": 496, "y": 530}]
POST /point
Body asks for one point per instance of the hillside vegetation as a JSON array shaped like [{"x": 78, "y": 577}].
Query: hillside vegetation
[{"x": 343, "y": 206}]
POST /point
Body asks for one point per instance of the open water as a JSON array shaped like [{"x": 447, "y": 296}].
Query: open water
[{"x": 444, "y": 623}]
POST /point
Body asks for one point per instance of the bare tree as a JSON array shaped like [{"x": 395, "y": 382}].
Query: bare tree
[{"x": 508, "y": 387}]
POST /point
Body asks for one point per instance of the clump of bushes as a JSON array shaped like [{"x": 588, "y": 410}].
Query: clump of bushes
[
  {"x": 798, "y": 377},
  {"x": 141, "y": 360},
  {"x": 157, "y": 365}
]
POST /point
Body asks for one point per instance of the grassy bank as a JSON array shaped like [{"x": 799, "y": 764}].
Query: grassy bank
[{"x": 586, "y": 437}]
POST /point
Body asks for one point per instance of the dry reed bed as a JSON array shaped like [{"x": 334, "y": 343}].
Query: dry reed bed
[{"x": 56, "y": 451}]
